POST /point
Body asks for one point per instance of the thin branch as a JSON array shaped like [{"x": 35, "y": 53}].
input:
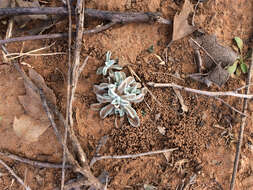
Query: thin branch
[
  {"x": 202, "y": 92},
  {"x": 68, "y": 90},
  {"x": 35, "y": 37},
  {"x": 34, "y": 163},
  {"x": 54, "y": 36},
  {"x": 243, "y": 124},
  {"x": 15, "y": 175},
  {"x": 112, "y": 16},
  {"x": 74, "y": 79},
  {"x": 95, "y": 159},
  {"x": 231, "y": 107}
]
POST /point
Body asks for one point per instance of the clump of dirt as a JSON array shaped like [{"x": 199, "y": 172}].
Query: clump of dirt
[{"x": 205, "y": 135}]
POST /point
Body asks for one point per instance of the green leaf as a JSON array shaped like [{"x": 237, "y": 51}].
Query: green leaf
[
  {"x": 244, "y": 68},
  {"x": 151, "y": 49},
  {"x": 239, "y": 43},
  {"x": 238, "y": 71},
  {"x": 232, "y": 68}
]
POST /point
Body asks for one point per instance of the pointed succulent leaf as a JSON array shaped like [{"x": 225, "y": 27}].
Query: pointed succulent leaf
[
  {"x": 108, "y": 55},
  {"x": 124, "y": 102},
  {"x": 104, "y": 98},
  {"x": 105, "y": 111},
  {"x": 100, "y": 70},
  {"x": 119, "y": 111},
  {"x": 138, "y": 98},
  {"x": 119, "y": 77},
  {"x": 117, "y": 67},
  {"x": 125, "y": 84},
  {"x": 115, "y": 101},
  {"x": 129, "y": 97},
  {"x": 96, "y": 106},
  {"x": 105, "y": 70},
  {"x": 130, "y": 111},
  {"x": 112, "y": 93},
  {"x": 100, "y": 89},
  {"x": 135, "y": 122}
]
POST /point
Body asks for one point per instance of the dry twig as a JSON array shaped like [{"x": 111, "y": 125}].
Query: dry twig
[
  {"x": 34, "y": 163},
  {"x": 112, "y": 16},
  {"x": 15, "y": 175},
  {"x": 243, "y": 124},
  {"x": 68, "y": 90},
  {"x": 203, "y": 92},
  {"x": 95, "y": 159}
]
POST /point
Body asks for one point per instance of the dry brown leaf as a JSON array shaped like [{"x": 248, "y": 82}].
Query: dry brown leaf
[
  {"x": 218, "y": 76},
  {"x": 181, "y": 28},
  {"x": 224, "y": 56},
  {"x": 34, "y": 123},
  {"x": 28, "y": 128}
]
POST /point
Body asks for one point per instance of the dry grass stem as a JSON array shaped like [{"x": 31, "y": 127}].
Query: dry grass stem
[
  {"x": 34, "y": 163},
  {"x": 202, "y": 92},
  {"x": 95, "y": 159}
]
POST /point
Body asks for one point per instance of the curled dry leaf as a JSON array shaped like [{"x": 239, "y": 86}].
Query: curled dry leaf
[
  {"x": 34, "y": 122},
  {"x": 181, "y": 27}
]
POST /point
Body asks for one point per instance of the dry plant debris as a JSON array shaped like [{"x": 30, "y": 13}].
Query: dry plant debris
[
  {"x": 216, "y": 59},
  {"x": 34, "y": 122},
  {"x": 181, "y": 27}
]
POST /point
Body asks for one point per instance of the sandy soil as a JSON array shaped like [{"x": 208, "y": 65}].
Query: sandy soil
[{"x": 203, "y": 149}]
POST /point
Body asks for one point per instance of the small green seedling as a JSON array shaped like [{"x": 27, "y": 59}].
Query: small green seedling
[
  {"x": 239, "y": 65},
  {"x": 151, "y": 49}
]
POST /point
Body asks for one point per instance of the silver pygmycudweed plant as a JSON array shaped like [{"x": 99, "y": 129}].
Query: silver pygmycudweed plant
[{"x": 117, "y": 96}]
